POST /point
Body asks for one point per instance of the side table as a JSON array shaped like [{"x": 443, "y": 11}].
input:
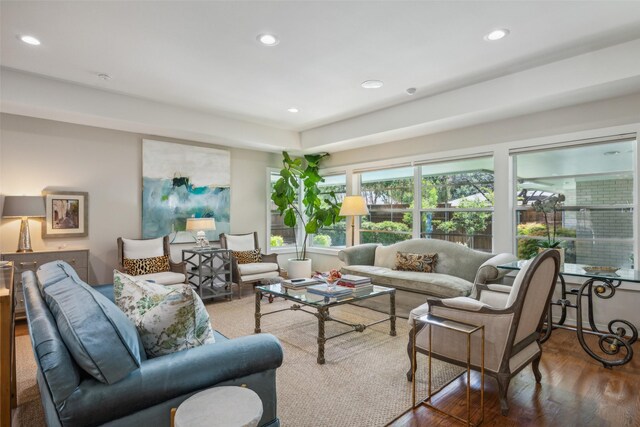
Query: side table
[
  {"x": 25, "y": 261},
  {"x": 431, "y": 321},
  {"x": 222, "y": 406},
  {"x": 209, "y": 271}
]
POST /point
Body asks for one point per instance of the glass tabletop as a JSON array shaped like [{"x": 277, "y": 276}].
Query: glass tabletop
[
  {"x": 581, "y": 270},
  {"x": 317, "y": 300}
]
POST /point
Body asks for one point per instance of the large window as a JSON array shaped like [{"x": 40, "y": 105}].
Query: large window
[
  {"x": 389, "y": 196},
  {"x": 280, "y": 236},
  {"x": 333, "y": 235},
  {"x": 457, "y": 202},
  {"x": 594, "y": 220}
]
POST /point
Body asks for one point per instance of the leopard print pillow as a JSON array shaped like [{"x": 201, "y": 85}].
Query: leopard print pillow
[
  {"x": 137, "y": 267},
  {"x": 424, "y": 263},
  {"x": 248, "y": 257}
]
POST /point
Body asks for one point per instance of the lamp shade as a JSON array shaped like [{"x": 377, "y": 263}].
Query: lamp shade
[
  {"x": 23, "y": 206},
  {"x": 201, "y": 224},
  {"x": 353, "y": 206}
]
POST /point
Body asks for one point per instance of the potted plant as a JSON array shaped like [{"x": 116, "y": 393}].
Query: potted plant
[
  {"x": 550, "y": 206},
  {"x": 316, "y": 213}
]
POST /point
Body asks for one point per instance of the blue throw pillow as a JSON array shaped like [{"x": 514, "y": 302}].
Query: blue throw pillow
[{"x": 101, "y": 339}]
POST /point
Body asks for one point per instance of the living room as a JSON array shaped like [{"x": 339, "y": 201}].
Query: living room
[{"x": 522, "y": 97}]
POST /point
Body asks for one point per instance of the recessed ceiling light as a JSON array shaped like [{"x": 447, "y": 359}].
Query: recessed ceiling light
[
  {"x": 372, "y": 84},
  {"x": 30, "y": 40},
  {"x": 611, "y": 153},
  {"x": 292, "y": 110},
  {"x": 268, "y": 39},
  {"x": 411, "y": 91},
  {"x": 497, "y": 34}
]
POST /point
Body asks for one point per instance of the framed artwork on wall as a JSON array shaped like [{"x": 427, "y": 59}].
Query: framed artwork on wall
[
  {"x": 184, "y": 181},
  {"x": 66, "y": 214}
]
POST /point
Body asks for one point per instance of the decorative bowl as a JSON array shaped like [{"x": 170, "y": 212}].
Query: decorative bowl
[{"x": 602, "y": 269}]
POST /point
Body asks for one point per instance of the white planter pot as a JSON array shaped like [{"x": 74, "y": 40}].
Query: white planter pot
[{"x": 299, "y": 269}]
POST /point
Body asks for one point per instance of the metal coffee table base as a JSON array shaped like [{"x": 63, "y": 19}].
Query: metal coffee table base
[{"x": 324, "y": 316}]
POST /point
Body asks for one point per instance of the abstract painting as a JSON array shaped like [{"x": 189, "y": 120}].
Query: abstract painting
[{"x": 184, "y": 181}]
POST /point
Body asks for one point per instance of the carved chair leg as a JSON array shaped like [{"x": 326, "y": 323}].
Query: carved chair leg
[
  {"x": 535, "y": 365},
  {"x": 503, "y": 388}
]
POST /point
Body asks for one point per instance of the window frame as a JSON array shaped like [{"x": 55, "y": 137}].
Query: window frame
[{"x": 633, "y": 206}]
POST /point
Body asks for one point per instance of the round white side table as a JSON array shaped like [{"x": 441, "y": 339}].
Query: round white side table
[{"x": 220, "y": 406}]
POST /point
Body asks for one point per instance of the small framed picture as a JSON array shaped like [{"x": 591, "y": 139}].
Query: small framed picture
[{"x": 67, "y": 214}]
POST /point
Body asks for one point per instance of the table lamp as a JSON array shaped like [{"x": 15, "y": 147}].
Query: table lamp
[
  {"x": 24, "y": 207},
  {"x": 354, "y": 206},
  {"x": 200, "y": 225}
]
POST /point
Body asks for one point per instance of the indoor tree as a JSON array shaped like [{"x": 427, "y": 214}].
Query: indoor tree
[{"x": 316, "y": 211}]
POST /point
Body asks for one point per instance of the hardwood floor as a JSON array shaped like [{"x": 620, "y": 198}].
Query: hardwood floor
[{"x": 575, "y": 391}]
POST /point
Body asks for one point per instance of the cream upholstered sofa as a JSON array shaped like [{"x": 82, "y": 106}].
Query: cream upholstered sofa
[{"x": 457, "y": 267}]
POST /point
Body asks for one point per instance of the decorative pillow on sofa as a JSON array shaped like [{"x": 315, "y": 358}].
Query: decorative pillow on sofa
[
  {"x": 247, "y": 257},
  {"x": 168, "y": 318},
  {"x": 425, "y": 263},
  {"x": 138, "y": 267}
]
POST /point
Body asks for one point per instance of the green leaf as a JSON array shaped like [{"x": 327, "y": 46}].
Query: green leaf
[
  {"x": 290, "y": 218},
  {"x": 311, "y": 227}
]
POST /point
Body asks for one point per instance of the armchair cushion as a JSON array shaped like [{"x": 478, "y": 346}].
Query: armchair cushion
[
  {"x": 163, "y": 278},
  {"x": 260, "y": 276},
  {"x": 248, "y": 257},
  {"x": 241, "y": 242},
  {"x": 98, "y": 335},
  {"x": 147, "y": 248},
  {"x": 168, "y": 318},
  {"x": 139, "y": 266},
  {"x": 257, "y": 268}
]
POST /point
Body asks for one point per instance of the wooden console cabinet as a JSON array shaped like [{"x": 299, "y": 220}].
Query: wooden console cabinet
[{"x": 77, "y": 258}]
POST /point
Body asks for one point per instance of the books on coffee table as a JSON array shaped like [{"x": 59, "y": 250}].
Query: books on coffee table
[
  {"x": 327, "y": 291},
  {"x": 353, "y": 281},
  {"x": 300, "y": 283}
]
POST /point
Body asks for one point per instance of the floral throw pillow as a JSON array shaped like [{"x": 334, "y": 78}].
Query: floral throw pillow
[
  {"x": 137, "y": 267},
  {"x": 248, "y": 257},
  {"x": 168, "y": 318},
  {"x": 425, "y": 263}
]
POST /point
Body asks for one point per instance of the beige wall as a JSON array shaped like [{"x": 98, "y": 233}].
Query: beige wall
[{"x": 41, "y": 154}]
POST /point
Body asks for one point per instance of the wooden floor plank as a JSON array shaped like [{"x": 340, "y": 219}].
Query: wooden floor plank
[{"x": 575, "y": 391}]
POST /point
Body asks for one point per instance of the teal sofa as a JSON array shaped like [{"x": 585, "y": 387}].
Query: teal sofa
[
  {"x": 457, "y": 267},
  {"x": 92, "y": 369}
]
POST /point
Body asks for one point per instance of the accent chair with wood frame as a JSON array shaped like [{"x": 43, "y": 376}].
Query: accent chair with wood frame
[
  {"x": 513, "y": 324},
  {"x": 254, "y": 272},
  {"x": 149, "y": 248}
]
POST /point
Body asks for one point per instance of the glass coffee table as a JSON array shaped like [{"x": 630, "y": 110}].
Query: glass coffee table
[{"x": 301, "y": 299}]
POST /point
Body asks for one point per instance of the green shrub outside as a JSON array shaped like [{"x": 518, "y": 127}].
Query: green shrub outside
[
  {"x": 276, "y": 241},
  {"x": 528, "y": 248},
  {"x": 322, "y": 240},
  {"x": 396, "y": 233}
]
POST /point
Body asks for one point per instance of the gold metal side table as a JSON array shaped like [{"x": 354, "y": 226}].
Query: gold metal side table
[{"x": 429, "y": 322}]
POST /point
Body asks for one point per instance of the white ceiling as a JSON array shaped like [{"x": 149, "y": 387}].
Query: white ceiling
[{"x": 204, "y": 55}]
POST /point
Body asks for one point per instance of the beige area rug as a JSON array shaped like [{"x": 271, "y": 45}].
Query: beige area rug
[{"x": 363, "y": 382}]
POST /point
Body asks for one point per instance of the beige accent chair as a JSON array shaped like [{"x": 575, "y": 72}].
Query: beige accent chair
[
  {"x": 148, "y": 248},
  {"x": 513, "y": 323},
  {"x": 254, "y": 272}
]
